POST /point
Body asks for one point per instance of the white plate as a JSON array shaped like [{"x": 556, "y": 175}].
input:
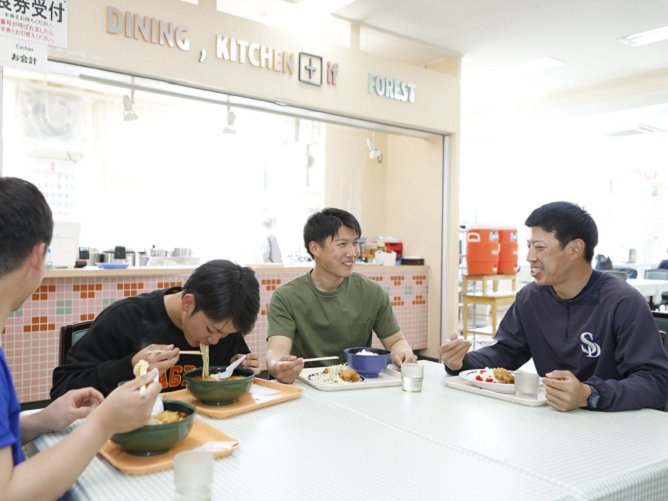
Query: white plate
[
  {"x": 314, "y": 381},
  {"x": 497, "y": 387},
  {"x": 386, "y": 378}
]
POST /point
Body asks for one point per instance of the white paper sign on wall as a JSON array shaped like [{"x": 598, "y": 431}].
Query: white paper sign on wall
[
  {"x": 22, "y": 54},
  {"x": 41, "y": 21}
]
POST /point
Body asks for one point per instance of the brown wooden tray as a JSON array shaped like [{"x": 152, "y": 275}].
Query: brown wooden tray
[
  {"x": 246, "y": 403},
  {"x": 200, "y": 434}
]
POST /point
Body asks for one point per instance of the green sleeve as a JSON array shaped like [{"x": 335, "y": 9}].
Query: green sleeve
[
  {"x": 386, "y": 323},
  {"x": 280, "y": 318}
]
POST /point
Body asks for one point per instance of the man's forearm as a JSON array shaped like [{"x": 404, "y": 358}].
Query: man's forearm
[
  {"x": 33, "y": 425},
  {"x": 400, "y": 346}
]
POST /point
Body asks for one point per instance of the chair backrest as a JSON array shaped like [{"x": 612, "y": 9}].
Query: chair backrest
[
  {"x": 614, "y": 273},
  {"x": 656, "y": 274},
  {"x": 661, "y": 319},
  {"x": 70, "y": 334}
]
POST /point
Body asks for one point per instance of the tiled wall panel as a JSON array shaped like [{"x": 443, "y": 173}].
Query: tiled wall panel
[{"x": 31, "y": 337}]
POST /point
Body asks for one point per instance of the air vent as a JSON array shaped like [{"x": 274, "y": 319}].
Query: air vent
[{"x": 634, "y": 130}]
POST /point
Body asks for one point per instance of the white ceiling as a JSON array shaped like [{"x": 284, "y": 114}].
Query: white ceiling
[{"x": 492, "y": 36}]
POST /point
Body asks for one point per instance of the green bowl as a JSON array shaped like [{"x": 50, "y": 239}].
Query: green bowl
[
  {"x": 160, "y": 438},
  {"x": 219, "y": 392}
]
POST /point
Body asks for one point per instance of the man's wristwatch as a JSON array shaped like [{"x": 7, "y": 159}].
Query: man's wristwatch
[{"x": 594, "y": 399}]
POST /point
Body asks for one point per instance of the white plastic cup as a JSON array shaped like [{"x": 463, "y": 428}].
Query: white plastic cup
[
  {"x": 526, "y": 385},
  {"x": 411, "y": 377},
  {"x": 193, "y": 475}
]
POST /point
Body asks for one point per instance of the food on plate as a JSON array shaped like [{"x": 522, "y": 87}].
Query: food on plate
[
  {"x": 349, "y": 375},
  {"x": 166, "y": 417},
  {"x": 498, "y": 375},
  {"x": 336, "y": 374},
  {"x": 366, "y": 352},
  {"x": 503, "y": 376},
  {"x": 213, "y": 378}
]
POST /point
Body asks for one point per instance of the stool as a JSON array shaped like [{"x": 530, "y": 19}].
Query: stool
[{"x": 495, "y": 299}]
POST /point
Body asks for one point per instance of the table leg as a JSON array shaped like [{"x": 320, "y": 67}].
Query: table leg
[
  {"x": 465, "y": 319},
  {"x": 493, "y": 320}
]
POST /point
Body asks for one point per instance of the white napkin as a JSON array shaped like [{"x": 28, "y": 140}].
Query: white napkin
[
  {"x": 215, "y": 446},
  {"x": 158, "y": 406},
  {"x": 262, "y": 391}
]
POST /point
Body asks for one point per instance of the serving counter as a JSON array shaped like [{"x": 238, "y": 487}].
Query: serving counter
[
  {"x": 442, "y": 443},
  {"x": 31, "y": 337}
]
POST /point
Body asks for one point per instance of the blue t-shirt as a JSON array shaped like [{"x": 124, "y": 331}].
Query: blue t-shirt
[{"x": 10, "y": 433}]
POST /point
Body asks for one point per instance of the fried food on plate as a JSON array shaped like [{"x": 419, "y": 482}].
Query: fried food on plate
[
  {"x": 349, "y": 375},
  {"x": 503, "y": 376}
]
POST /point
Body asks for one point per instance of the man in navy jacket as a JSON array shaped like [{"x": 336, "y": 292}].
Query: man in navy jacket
[{"x": 591, "y": 335}]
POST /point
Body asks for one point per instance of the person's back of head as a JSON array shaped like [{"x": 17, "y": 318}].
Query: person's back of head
[
  {"x": 326, "y": 224},
  {"x": 568, "y": 221},
  {"x": 25, "y": 220},
  {"x": 224, "y": 290}
]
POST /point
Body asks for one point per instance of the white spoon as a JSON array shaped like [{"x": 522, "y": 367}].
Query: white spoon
[{"x": 230, "y": 369}]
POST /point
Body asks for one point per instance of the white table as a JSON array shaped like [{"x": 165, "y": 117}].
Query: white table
[
  {"x": 649, "y": 288},
  {"x": 438, "y": 444}
]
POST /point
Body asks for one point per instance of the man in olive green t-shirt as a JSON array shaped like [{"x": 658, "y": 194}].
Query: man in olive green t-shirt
[{"x": 331, "y": 308}]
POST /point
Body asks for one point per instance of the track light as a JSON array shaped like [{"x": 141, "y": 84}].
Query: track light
[
  {"x": 231, "y": 117},
  {"x": 128, "y": 103},
  {"x": 374, "y": 152}
]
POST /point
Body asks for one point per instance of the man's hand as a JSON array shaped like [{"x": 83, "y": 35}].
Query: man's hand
[
  {"x": 252, "y": 361},
  {"x": 73, "y": 405},
  {"x": 124, "y": 409},
  {"x": 453, "y": 352},
  {"x": 564, "y": 391},
  {"x": 403, "y": 357},
  {"x": 165, "y": 357},
  {"x": 288, "y": 368}
]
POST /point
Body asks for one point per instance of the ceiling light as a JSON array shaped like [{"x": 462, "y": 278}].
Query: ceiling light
[
  {"x": 374, "y": 152},
  {"x": 646, "y": 37},
  {"x": 128, "y": 103},
  {"x": 231, "y": 117},
  {"x": 304, "y": 12},
  {"x": 531, "y": 67}
]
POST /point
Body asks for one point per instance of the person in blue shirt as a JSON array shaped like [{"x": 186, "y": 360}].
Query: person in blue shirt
[
  {"x": 26, "y": 227},
  {"x": 591, "y": 335},
  {"x": 663, "y": 265}
]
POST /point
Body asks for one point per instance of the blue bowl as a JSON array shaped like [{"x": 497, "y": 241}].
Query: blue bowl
[{"x": 368, "y": 365}]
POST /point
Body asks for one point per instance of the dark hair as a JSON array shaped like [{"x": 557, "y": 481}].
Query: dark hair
[
  {"x": 224, "y": 290},
  {"x": 326, "y": 224},
  {"x": 25, "y": 220},
  {"x": 568, "y": 221}
]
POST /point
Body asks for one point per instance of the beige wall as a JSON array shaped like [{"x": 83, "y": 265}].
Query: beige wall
[{"x": 400, "y": 196}]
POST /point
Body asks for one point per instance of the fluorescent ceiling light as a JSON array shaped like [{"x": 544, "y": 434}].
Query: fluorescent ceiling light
[
  {"x": 305, "y": 11},
  {"x": 646, "y": 37},
  {"x": 531, "y": 67}
]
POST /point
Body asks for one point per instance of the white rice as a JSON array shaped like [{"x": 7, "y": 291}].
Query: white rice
[{"x": 365, "y": 352}]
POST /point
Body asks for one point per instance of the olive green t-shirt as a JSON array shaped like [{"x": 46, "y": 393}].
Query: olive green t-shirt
[{"x": 323, "y": 324}]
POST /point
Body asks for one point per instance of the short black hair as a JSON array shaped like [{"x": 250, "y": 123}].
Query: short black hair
[
  {"x": 25, "y": 220},
  {"x": 326, "y": 224},
  {"x": 569, "y": 222},
  {"x": 224, "y": 290}
]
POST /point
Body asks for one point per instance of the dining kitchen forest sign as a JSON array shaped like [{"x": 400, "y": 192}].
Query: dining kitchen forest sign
[{"x": 308, "y": 67}]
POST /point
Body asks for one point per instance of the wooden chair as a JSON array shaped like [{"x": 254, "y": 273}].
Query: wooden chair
[
  {"x": 495, "y": 299},
  {"x": 70, "y": 334}
]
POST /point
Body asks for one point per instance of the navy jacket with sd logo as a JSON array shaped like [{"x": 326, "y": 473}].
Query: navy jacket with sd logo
[{"x": 606, "y": 336}]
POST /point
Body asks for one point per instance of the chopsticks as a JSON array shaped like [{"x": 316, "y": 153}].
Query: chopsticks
[
  {"x": 182, "y": 352},
  {"x": 318, "y": 359}
]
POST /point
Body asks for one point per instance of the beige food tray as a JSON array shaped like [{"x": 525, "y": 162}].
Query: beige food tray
[
  {"x": 462, "y": 384},
  {"x": 388, "y": 377},
  {"x": 246, "y": 403},
  {"x": 200, "y": 434}
]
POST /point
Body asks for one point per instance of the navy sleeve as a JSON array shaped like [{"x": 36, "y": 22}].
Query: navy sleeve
[
  {"x": 511, "y": 350},
  {"x": 641, "y": 361}
]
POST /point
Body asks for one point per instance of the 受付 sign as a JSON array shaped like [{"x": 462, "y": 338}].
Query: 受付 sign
[{"x": 41, "y": 21}]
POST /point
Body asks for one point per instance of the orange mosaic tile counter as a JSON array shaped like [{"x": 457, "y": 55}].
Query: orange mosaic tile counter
[{"x": 30, "y": 339}]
